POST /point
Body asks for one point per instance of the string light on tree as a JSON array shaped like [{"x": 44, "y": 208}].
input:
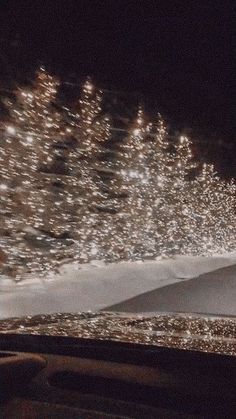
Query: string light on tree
[
  {"x": 40, "y": 163},
  {"x": 65, "y": 193}
]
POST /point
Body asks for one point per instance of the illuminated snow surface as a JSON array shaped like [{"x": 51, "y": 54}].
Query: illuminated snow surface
[{"x": 96, "y": 286}]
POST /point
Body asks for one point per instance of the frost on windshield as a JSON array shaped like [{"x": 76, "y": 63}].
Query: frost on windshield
[{"x": 70, "y": 190}]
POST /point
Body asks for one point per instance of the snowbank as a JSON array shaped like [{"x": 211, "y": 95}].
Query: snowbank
[{"x": 96, "y": 286}]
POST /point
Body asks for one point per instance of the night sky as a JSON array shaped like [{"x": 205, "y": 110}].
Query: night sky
[{"x": 178, "y": 55}]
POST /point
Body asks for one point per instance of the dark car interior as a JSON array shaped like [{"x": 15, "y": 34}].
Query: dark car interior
[{"x": 61, "y": 377}]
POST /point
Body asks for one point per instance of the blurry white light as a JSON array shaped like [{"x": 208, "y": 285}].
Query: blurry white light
[
  {"x": 11, "y": 130},
  {"x": 89, "y": 86},
  {"x": 3, "y": 187},
  {"x": 29, "y": 139},
  {"x": 133, "y": 174},
  {"x": 136, "y": 131}
]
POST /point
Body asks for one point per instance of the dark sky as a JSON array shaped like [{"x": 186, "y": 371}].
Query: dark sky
[{"x": 179, "y": 55}]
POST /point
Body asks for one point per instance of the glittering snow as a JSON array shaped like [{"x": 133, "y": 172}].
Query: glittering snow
[{"x": 189, "y": 332}]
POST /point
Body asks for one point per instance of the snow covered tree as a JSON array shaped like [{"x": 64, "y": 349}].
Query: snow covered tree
[
  {"x": 46, "y": 192},
  {"x": 91, "y": 129},
  {"x": 145, "y": 170},
  {"x": 202, "y": 207},
  {"x": 26, "y": 145},
  {"x": 63, "y": 196},
  {"x": 177, "y": 198},
  {"x": 214, "y": 212},
  {"x": 88, "y": 125}
]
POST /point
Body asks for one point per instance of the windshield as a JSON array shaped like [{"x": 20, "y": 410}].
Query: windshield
[{"x": 117, "y": 161}]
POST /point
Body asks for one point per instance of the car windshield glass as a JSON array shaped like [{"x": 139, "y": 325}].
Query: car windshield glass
[{"x": 117, "y": 165}]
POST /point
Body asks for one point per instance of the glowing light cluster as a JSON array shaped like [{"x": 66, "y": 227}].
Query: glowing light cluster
[{"x": 61, "y": 198}]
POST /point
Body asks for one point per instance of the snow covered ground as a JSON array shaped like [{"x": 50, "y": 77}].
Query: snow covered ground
[{"x": 96, "y": 286}]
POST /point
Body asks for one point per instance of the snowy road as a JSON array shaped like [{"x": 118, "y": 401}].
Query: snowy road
[
  {"x": 161, "y": 285},
  {"x": 210, "y": 293}
]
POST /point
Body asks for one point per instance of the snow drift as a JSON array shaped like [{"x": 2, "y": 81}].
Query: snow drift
[{"x": 96, "y": 286}]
